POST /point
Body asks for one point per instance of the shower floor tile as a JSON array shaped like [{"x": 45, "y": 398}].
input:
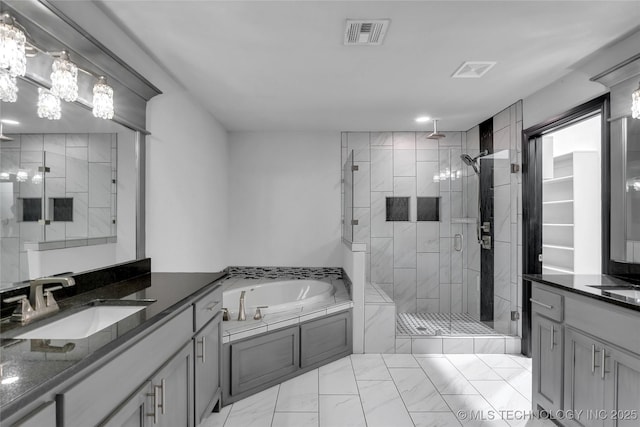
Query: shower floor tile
[{"x": 440, "y": 324}]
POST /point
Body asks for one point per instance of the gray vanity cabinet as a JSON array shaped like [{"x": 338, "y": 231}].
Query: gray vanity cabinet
[
  {"x": 585, "y": 388},
  {"x": 547, "y": 362},
  {"x": 263, "y": 360},
  {"x": 207, "y": 367},
  {"x": 547, "y": 348},
  {"x": 44, "y": 416},
  {"x": 173, "y": 390},
  {"x": 622, "y": 388},
  {"x": 325, "y": 339},
  {"x": 136, "y": 411}
]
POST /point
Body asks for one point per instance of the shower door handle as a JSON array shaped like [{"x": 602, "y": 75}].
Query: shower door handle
[{"x": 458, "y": 242}]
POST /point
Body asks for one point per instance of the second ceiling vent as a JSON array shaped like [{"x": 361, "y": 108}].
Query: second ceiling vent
[{"x": 365, "y": 32}]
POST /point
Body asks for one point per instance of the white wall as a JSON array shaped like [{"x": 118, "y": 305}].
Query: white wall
[
  {"x": 186, "y": 186},
  {"x": 284, "y": 199}
]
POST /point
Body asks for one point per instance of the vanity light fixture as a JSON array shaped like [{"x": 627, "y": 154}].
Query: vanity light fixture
[
  {"x": 48, "y": 105},
  {"x": 8, "y": 87},
  {"x": 422, "y": 119},
  {"x": 10, "y": 122},
  {"x": 102, "y": 99},
  {"x": 635, "y": 103},
  {"x": 13, "y": 58},
  {"x": 64, "y": 78}
]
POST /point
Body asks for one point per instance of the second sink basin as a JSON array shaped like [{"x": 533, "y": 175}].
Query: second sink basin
[{"x": 83, "y": 323}]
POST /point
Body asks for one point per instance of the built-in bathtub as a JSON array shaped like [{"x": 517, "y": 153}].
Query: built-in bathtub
[
  {"x": 289, "y": 302},
  {"x": 278, "y": 296},
  {"x": 306, "y": 324}
]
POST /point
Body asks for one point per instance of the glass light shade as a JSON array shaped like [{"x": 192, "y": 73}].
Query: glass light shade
[
  {"x": 635, "y": 104},
  {"x": 48, "y": 105},
  {"x": 22, "y": 176},
  {"x": 102, "y": 99},
  {"x": 64, "y": 79},
  {"x": 8, "y": 87},
  {"x": 13, "y": 58},
  {"x": 36, "y": 179}
]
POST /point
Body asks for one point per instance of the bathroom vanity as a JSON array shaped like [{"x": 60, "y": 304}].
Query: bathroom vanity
[
  {"x": 586, "y": 349},
  {"x": 158, "y": 366}
]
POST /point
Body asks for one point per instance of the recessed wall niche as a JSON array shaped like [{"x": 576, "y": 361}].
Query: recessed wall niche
[
  {"x": 397, "y": 208},
  {"x": 61, "y": 208},
  {"x": 428, "y": 208},
  {"x": 30, "y": 209}
]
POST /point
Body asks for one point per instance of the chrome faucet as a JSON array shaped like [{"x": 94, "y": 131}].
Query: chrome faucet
[
  {"x": 241, "y": 314},
  {"x": 39, "y": 303}
]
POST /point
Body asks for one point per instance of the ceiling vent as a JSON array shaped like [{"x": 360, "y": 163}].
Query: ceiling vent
[
  {"x": 473, "y": 69},
  {"x": 365, "y": 32}
]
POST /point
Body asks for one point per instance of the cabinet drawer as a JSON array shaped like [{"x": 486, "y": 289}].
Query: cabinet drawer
[
  {"x": 548, "y": 304},
  {"x": 207, "y": 307}
]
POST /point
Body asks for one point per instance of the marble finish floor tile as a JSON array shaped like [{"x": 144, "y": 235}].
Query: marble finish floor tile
[
  {"x": 446, "y": 378},
  {"x": 472, "y": 367},
  {"x": 254, "y": 411},
  {"x": 434, "y": 419},
  {"x": 393, "y": 390},
  {"x": 299, "y": 394},
  {"x": 337, "y": 378},
  {"x": 400, "y": 361},
  {"x": 341, "y": 411},
  {"x": 369, "y": 367},
  {"x": 295, "y": 419},
  {"x": 417, "y": 392},
  {"x": 382, "y": 404}
]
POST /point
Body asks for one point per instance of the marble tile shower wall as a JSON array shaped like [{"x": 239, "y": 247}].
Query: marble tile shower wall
[
  {"x": 414, "y": 262},
  {"x": 507, "y": 144},
  {"x": 82, "y": 167}
]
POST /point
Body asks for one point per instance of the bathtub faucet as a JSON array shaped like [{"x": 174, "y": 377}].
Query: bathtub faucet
[{"x": 241, "y": 314}]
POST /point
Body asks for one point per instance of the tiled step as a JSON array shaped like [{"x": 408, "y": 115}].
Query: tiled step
[{"x": 420, "y": 344}]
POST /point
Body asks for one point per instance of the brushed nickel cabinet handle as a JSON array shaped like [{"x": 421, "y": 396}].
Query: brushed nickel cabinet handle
[
  {"x": 541, "y": 304},
  {"x": 593, "y": 358},
  {"x": 155, "y": 405},
  {"x": 202, "y": 342},
  {"x": 163, "y": 386},
  {"x": 604, "y": 356},
  {"x": 213, "y": 306},
  {"x": 553, "y": 331}
]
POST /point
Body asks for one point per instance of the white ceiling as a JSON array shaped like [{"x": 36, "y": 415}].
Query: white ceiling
[{"x": 281, "y": 65}]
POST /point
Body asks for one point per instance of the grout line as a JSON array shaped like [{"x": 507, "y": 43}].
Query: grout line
[{"x": 275, "y": 405}]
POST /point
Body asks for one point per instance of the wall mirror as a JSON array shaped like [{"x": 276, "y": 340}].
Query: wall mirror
[
  {"x": 58, "y": 181},
  {"x": 71, "y": 189},
  {"x": 625, "y": 190}
]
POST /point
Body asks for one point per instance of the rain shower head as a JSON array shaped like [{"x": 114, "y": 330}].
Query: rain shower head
[
  {"x": 435, "y": 134},
  {"x": 473, "y": 161}
]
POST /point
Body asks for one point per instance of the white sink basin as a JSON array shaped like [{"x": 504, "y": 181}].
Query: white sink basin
[{"x": 83, "y": 323}]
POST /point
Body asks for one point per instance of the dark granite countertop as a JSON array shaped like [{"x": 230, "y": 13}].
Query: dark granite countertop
[
  {"x": 36, "y": 366},
  {"x": 605, "y": 288}
]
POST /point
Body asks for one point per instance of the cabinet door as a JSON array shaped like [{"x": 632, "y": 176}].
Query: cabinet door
[
  {"x": 547, "y": 346},
  {"x": 622, "y": 386},
  {"x": 260, "y": 361},
  {"x": 44, "y": 416},
  {"x": 584, "y": 387},
  {"x": 325, "y": 339},
  {"x": 173, "y": 389},
  {"x": 136, "y": 411},
  {"x": 207, "y": 367}
]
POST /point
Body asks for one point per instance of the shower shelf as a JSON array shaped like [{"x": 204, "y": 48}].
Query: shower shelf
[{"x": 463, "y": 220}]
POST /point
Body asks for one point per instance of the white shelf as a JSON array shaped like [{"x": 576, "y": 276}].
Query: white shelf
[
  {"x": 557, "y": 202},
  {"x": 571, "y": 194},
  {"x": 565, "y": 248},
  {"x": 560, "y": 179},
  {"x": 557, "y": 269}
]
